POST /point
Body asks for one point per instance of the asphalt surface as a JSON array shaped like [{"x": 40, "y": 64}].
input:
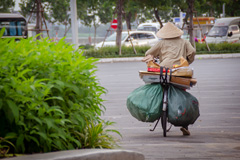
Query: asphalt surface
[{"x": 215, "y": 134}]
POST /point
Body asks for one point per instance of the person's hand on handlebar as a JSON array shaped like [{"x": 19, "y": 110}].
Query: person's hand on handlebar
[{"x": 147, "y": 58}]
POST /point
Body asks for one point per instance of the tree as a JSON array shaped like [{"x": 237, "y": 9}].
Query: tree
[
  {"x": 94, "y": 12},
  {"x": 188, "y": 7},
  {"x": 87, "y": 13},
  {"x": 156, "y": 6},
  {"x": 214, "y": 8},
  {"x": 106, "y": 10},
  {"x": 232, "y": 7},
  {"x": 36, "y": 5},
  {"x": 26, "y": 7},
  {"x": 6, "y": 5},
  {"x": 119, "y": 24},
  {"x": 131, "y": 8},
  {"x": 57, "y": 11},
  {"x": 190, "y": 30},
  {"x": 145, "y": 14},
  {"x": 211, "y": 8}
]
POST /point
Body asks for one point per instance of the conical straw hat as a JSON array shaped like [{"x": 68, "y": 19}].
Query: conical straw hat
[{"x": 169, "y": 30}]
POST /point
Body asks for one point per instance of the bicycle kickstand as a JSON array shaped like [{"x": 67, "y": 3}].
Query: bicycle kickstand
[{"x": 155, "y": 125}]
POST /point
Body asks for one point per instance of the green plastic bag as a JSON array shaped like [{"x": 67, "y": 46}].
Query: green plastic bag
[
  {"x": 183, "y": 108},
  {"x": 145, "y": 102}
]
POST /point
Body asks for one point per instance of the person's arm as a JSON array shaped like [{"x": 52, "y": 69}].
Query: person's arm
[
  {"x": 151, "y": 53},
  {"x": 153, "y": 50},
  {"x": 190, "y": 51}
]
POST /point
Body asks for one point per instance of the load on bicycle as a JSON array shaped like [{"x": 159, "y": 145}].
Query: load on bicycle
[{"x": 164, "y": 95}]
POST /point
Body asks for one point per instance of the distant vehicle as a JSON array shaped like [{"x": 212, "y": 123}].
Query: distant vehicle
[
  {"x": 225, "y": 30},
  {"x": 15, "y": 25},
  {"x": 154, "y": 27},
  {"x": 185, "y": 36},
  {"x": 138, "y": 38}
]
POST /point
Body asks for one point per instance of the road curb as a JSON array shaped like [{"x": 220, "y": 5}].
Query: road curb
[
  {"x": 85, "y": 154},
  {"x": 138, "y": 59}
]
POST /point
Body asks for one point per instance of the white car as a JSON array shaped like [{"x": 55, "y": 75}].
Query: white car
[
  {"x": 139, "y": 38},
  {"x": 154, "y": 27}
]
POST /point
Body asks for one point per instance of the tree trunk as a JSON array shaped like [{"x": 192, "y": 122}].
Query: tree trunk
[
  {"x": 157, "y": 17},
  {"x": 211, "y": 13},
  {"x": 185, "y": 21},
  {"x": 95, "y": 33},
  {"x": 190, "y": 6},
  {"x": 128, "y": 20},
  {"x": 119, "y": 24},
  {"x": 66, "y": 30},
  {"x": 39, "y": 19}
]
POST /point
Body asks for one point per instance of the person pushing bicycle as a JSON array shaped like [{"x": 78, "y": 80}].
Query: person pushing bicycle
[{"x": 170, "y": 49}]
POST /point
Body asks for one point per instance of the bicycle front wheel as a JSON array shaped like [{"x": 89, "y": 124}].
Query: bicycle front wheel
[{"x": 164, "y": 123}]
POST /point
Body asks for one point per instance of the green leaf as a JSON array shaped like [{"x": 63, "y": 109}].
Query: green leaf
[
  {"x": 2, "y": 32},
  {"x": 47, "y": 90},
  {"x": 13, "y": 113},
  {"x": 50, "y": 122},
  {"x": 59, "y": 144},
  {"x": 43, "y": 135},
  {"x": 60, "y": 83},
  {"x": 74, "y": 88},
  {"x": 37, "y": 120},
  {"x": 63, "y": 121},
  {"x": 1, "y": 104},
  {"x": 56, "y": 111},
  {"x": 20, "y": 74},
  {"x": 34, "y": 139},
  {"x": 11, "y": 135},
  {"x": 20, "y": 143},
  {"x": 50, "y": 98}
]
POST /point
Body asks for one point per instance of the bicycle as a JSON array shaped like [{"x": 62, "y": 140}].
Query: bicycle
[{"x": 164, "y": 82}]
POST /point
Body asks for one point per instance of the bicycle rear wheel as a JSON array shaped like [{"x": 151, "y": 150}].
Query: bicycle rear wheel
[{"x": 164, "y": 123}]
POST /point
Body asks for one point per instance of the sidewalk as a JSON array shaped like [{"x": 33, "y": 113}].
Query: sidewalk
[
  {"x": 137, "y": 59},
  {"x": 85, "y": 154}
]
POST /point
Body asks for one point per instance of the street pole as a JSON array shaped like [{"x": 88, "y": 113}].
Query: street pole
[{"x": 73, "y": 6}]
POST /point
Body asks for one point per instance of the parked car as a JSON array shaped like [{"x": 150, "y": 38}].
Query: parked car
[
  {"x": 154, "y": 27},
  {"x": 138, "y": 38}
]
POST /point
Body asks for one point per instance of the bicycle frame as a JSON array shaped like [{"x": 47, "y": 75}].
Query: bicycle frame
[
  {"x": 164, "y": 81},
  {"x": 165, "y": 99}
]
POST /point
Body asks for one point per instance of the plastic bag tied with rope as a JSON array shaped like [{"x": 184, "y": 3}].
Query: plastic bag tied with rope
[
  {"x": 145, "y": 102},
  {"x": 183, "y": 108}
]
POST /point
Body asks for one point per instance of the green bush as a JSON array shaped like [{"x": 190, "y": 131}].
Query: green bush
[
  {"x": 109, "y": 52},
  {"x": 49, "y": 97},
  {"x": 87, "y": 46},
  {"x": 106, "y": 52},
  {"x": 218, "y": 48}
]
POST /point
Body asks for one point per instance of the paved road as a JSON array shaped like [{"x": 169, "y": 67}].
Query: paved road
[{"x": 216, "y": 133}]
